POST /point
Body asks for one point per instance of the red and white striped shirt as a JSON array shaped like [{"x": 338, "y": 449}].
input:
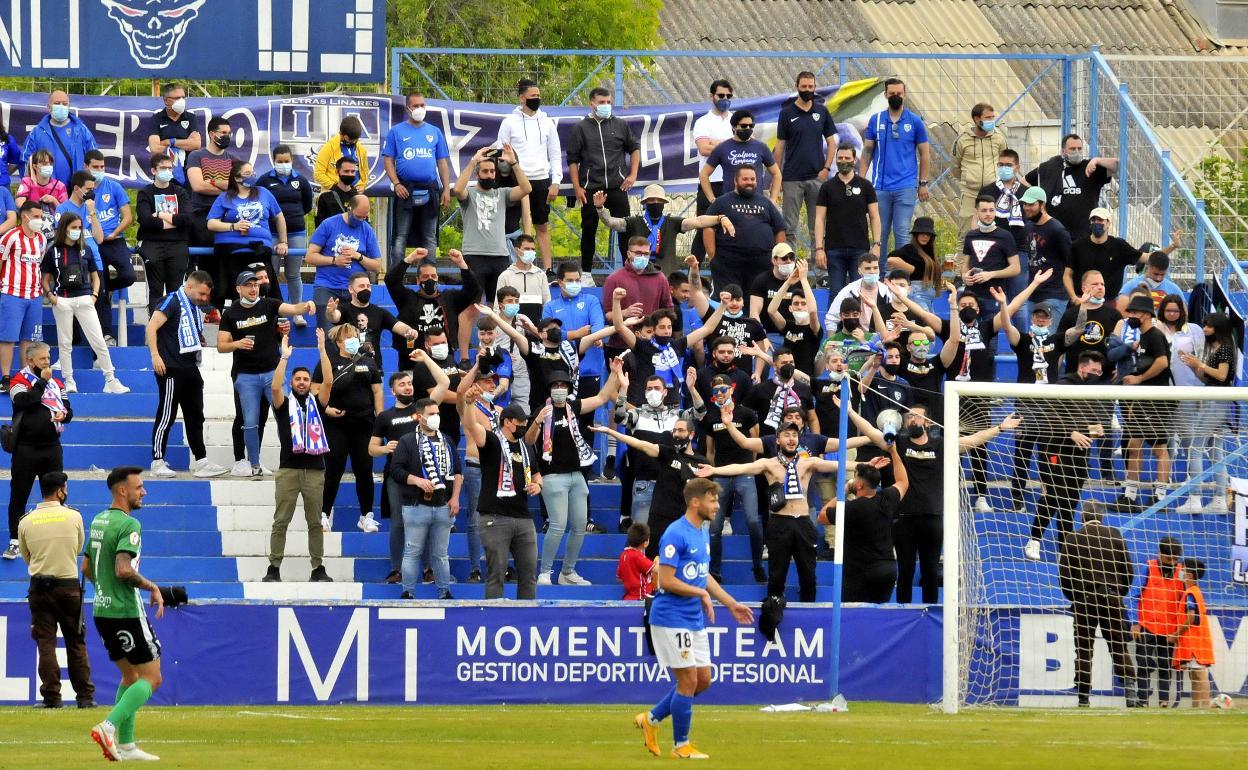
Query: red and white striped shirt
[{"x": 21, "y": 254}]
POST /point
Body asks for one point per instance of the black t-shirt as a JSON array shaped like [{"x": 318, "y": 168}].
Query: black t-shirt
[
  {"x": 663, "y": 251},
  {"x": 767, "y": 285},
  {"x": 829, "y": 414},
  {"x": 869, "y": 528},
  {"x": 675, "y": 471},
  {"x": 1111, "y": 258},
  {"x": 541, "y": 361},
  {"x": 369, "y": 321},
  {"x": 259, "y": 321},
  {"x": 563, "y": 456},
  {"x": 804, "y": 342},
  {"x": 648, "y": 359},
  {"x": 974, "y": 360},
  {"x": 167, "y": 342},
  {"x": 1095, "y": 335},
  {"x": 1072, "y": 193},
  {"x": 727, "y": 451},
  {"x": 1037, "y": 357},
  {"x": 926, "y": 383},
  {"x": 492, "y": 456},
  {"x": 395, "y": 423},
  {"x": 913, "y": 256},
  {"x": 354, "y": 379},
  {"x": 923, "y": 462},
  {"x": 845, "y": 223},
  {"x": 739, "y": 330},
  {"x": 287, "y": 458},
  {"x": 1153, "y": 345},
  {"x": 756, "y": 219},
  {"x": 989, "y": 251},
  {"x": 423, "y": 383},
  {"x": 765, "y": 392},
  {"x": 738, "y": 375},
  {"x": 1048, "y": 246}
]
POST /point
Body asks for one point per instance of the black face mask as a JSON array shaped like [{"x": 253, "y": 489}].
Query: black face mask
[
  {"x": 680, "y": 444},
  {"x": 892, "y": 369},
  {"x": 363, "y": 296},
  {"x": 744, "y": 133},
  {"x": 915, "y": 431},
  {"x": 221, "y": 141},
  {"x": 967, "y": 315},
  {"x": 533, "y": 103},
  {"x": 662, "y": 340},
  {"x": 785, "y": 371},
  {"x": 346, "y": 181},
  {"x": 1134, "y": 323},
  {"x": 89, "y": 196},
  {"x": 654, "y": 210},
  {"x": 806, "y": 96},
  {"x": 487, "y": 184},
  {"x": 728, "y": 367},
  {"x": 895, "y": 102},
  {"x": 403, "y": 400},
  {"x": 429, "y": 286},
  {"x": 555, "y": 335},
  {"x": 850, "y": 325}
]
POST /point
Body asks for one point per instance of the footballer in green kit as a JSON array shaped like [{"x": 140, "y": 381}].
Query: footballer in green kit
[{"x": 111, "y": 562}]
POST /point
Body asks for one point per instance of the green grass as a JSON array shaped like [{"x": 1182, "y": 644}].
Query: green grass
[{"x": 552, "y": 738}]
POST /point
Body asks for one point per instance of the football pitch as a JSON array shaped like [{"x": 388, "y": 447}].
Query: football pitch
[{"x": 557, "y": 737}]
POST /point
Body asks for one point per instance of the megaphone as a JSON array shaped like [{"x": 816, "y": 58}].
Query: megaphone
[{"x": 889, "y": 423}]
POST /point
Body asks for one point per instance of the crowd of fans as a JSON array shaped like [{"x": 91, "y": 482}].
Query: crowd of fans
[{"x": 715, "y": 363}]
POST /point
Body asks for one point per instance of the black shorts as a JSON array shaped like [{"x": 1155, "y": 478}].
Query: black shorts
[
  {"x": 1150, "y": 421},
  {"x": 129, "y": 638},
  {"x": 539, "y": 207}
]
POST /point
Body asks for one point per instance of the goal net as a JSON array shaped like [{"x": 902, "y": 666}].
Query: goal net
[{"x": 1152, "y": 463}]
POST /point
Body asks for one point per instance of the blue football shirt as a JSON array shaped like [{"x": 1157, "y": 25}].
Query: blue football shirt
[{"x": 688, "y": 549}]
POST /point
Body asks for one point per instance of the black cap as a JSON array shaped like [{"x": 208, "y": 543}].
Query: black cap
[
  {"x": 548, "y": 320},
  {"x": 514, "y": 411},
  {"x": 1141, "y": 304},
  {"x": 923, "y": 225}
]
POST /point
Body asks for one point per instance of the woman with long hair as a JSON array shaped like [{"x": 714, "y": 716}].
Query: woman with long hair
[
  {"x": 1216, "y": 368},
  {"x": 248, "y": 223},
  {"x": 917, "y": 259},
  {"x": 71, "y": 283}
]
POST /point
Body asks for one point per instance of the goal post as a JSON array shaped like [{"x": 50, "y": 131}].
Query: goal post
[{"x": 1003, "y": 606}]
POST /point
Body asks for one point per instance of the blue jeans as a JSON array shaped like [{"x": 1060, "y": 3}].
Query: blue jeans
[
  {"x": 320, "y": 296},
  {"x": 922, "y": 296},
  {"x": 643, "y": 493},
  {"x": 896, "y": 216},
  {"x": 423, "y": 220},
  {"x": 293, "y": 264},
  {"x": 472, "y": 491},
  {"x": 567, "y": 503},
  {"x": 741, "y": 490},
  {"x": 842, "y": 264},
  {"x": 253, "y": 392},
  {"x": 421, "y": 522}
]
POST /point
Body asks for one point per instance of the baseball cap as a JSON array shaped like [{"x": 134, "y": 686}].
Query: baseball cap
[
  {"x": 653, "y": 192},
  {"x": 1034, "y": 194},
  {"x": 245, "y": 277},
  {"x": 1100, "y": 212},
  {"x": 514, "y": 411},
  {"x": 781, "y": 250},
  {"x": 548, "y": 320}
]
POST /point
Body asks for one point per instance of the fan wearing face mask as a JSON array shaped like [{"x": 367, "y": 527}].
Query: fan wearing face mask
[
  {"x": 527, "y": 277},
  {"x": 355, "y": 402},
  {"x": 246, "y": 220},
  {"x": 867, "y": 291},
  {"x": 173, "y": 131},
  {"x": 799, "y": 329},
  {"x": 21, "y": 307},
  {"x": 657, "y": 225},
  {"x": 662, "y": 354},
  {"x": 485, "y": 212},
  {"x": 60, "y": 128},
  {"x": 369, "y": 319},
  {"x": 974, "y": 155},
  {"x": 293, "y": 192},
  {"x": 765, "y": 286},
  {"x": 417, "y": 162},
  {"x": 163, "y": 210},
  {"x": 208, "y": 175},
  {"x": 330, "y": 173},
  {"x": 423, "y": 304},
  {"x": 42, "y": 188},
  {"x": 990, "y": 258},
  {"x": 1074, "y": 183},
  {"x": 604, "y": 155}
]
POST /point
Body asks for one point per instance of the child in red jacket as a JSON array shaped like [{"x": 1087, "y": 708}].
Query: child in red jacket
[{"x": 634, "y": 568}]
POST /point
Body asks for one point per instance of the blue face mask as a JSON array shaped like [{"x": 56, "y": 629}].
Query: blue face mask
[
  {"x": 1005, "y": 173},
  {"x": 641, "y": 263},
  {"x": 731, "y": 314},
  {"x": 283, "y": 169},
  {"x": 60, "y": 112},
  {"x": 1097, "y": 229},
  {"x": 98, "y": 175},
  {"x": 1040, "y": 331},
  {"x": 988, "y": 125},
  {"x": 603, "y": 111},
  {"x": 352, "y": 345},
  {"x": 164, "y": 175},
  {"x": 1097, "y": 301},
  {"x": 572, "y": 288},
  {"x": 723, "y": 105},
  {"x": 248, "y": 181},
  {"x": 511, "y": 311}
]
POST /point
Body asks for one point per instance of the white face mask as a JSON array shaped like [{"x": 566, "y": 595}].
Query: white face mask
[
  {"x": 418, "y": 114},
  {"x": 528, "y": 256},
  {"x": 835, "y": 376},
  {"x": 440, "y": 351},
  {"x": 73, "y": 235},
  {"x": 433, "y": 422},
  {"x": 786, "y": 269},
  {"x": 654, "y": 397},
  {"x": 559, "y": 395},
  {"x": 801, "y": 317},
  {"x": 179, "y": 106}
]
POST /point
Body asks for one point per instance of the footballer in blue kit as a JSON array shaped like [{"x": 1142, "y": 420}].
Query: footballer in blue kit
[{"x": 678, "y": 616}]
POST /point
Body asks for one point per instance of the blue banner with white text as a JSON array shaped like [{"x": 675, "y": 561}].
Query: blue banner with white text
[{"x": 289, "y": 40}]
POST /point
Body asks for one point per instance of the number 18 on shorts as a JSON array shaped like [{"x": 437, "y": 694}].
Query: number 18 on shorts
[{"x": 681, "y": 647}]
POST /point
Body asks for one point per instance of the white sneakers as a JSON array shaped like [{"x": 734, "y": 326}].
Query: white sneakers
[
  {"x": 325, "y": 522},
  {"x": 241, "y": 469},
  {"x": 572, "y": 579},
  {"x": 368, "y": 524},
  {"x": 115, "y": 386},
  {"x": 544, "y": 579},
  {"x": 71, "y": 386},
  {"x": 161, "y": 470},
  {"x": 1193, "y": 504},
  {"x": 1032, "y": 550},
  {"x": 727, "y": 531},
  {"x": 132, "y": 753},
  {"x": 205, "y": 469},
  {"x": 982, "y": 506}
]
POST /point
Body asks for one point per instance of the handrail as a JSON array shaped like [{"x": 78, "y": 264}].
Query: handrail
[{"x": 688, "y": 54}]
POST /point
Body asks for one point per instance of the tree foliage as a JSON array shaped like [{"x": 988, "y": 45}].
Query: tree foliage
[{"x": 1223, "y": 184}]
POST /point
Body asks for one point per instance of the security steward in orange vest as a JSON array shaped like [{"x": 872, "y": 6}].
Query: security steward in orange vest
[
  {"x": 50, "y": 539},
  {"x": 1159, "y": 613}
]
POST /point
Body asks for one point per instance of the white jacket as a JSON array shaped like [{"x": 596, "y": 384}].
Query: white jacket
[
  {"x": 536, "y": 143},
  {"x": 832, "y": 320}
]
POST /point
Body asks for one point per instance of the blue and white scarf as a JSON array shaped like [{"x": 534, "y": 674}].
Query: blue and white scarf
[
  {"x": 190, "y": 324},
  {"x": 792, "y": 483},
  {"x": 667, "y": 365},
  {"x": 307, "y": 431},
  {"x": 435, "y": 460}
]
